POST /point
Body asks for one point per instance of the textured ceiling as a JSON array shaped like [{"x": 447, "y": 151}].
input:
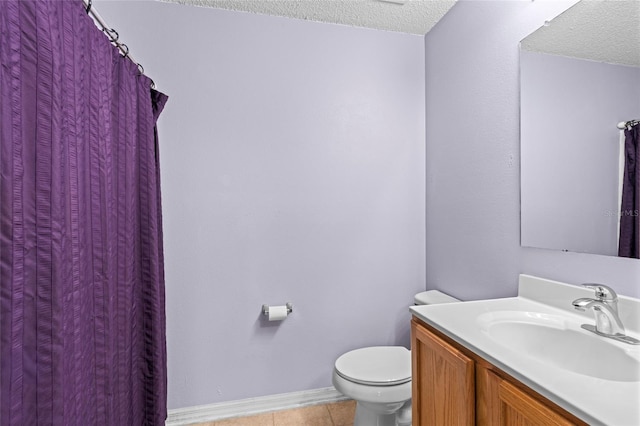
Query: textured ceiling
[
  {"x": 599, "y": 30},
  {"x": 407, "y": 16}
]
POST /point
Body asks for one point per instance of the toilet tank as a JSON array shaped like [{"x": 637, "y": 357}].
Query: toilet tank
[{"x": 433, "y": 297}]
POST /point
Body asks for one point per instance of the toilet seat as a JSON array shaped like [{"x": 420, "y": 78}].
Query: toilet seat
[{"x": 376, "y": 366}]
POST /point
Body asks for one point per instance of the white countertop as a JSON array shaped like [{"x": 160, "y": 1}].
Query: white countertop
[{"x": 596, "y": 401}]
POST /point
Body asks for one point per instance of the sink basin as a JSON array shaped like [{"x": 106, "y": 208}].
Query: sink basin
[{"x": 556, "y": 341}]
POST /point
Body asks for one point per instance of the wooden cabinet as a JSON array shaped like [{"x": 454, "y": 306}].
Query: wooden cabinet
[
  {"x": 437, "y": 365},
  {"x": 508, "y": 405},
  {"x": 453, "y": 386}
]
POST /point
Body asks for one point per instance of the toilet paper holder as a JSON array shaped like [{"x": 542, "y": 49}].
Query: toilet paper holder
[{"x": 265, "y": 309}]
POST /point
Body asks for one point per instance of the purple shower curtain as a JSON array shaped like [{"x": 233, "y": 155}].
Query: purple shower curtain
[
  {"x": 629, "y": 245},
  {"x": 82, "y": 321}
]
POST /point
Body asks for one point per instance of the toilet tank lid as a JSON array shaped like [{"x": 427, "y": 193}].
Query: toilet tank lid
[{"x": 432, "y": 297}]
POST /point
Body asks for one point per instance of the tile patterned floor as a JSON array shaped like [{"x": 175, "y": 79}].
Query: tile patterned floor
[{"x": 334, "y": 414}]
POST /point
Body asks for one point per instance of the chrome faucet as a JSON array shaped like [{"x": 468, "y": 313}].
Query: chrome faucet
[{"x": 605, "y": 308}]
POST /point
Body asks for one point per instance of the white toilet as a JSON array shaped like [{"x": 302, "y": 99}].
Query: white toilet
[{"x": 378, "y": 378}]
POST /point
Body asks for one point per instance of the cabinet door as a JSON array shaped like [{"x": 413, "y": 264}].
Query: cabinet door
[
  {"x": 443, "y": 381},
  {"x": 510, "y": 406}
]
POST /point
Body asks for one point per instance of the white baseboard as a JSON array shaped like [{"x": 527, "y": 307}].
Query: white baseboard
[{"x": 252, "y": 406}]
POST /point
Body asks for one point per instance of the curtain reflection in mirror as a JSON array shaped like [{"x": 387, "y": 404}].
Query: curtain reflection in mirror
[{"x": 629, "y": 242}]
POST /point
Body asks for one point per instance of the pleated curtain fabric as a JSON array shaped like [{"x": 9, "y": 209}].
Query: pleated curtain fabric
[
  {"x": 629, "y": 242},
  {"x": 82, "y": 319}
]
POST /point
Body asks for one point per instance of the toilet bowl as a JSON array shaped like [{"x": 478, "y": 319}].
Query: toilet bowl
[{"x": 378, "y": 378}]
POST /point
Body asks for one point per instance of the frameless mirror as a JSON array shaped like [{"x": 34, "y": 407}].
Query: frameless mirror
[{"x": 579, "y": 77}]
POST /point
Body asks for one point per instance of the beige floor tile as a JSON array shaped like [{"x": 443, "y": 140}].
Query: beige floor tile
[
  {"x": 317, "y": 415},
  {"x": 342, "y": 413},
  {"x": 259, "y": 420}
]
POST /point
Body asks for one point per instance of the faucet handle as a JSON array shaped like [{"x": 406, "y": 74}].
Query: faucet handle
[{"x": 603, "y": 292}]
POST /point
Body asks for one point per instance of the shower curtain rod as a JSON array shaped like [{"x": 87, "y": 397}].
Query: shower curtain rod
[
  {"x": 628, "y": 124},
  {"x": 113, "y": 35}
]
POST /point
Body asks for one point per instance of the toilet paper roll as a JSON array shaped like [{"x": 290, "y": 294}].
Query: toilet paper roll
[{"x": 277, "y": 313}]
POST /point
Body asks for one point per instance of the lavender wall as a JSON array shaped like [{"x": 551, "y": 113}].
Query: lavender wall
[
  {"x": 570, "y": 148},
  {"x": 472, "y": 109},
  {"x": 292, "y": 161}
]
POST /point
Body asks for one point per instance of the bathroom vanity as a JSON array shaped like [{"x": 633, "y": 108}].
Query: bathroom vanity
[
  {"x": 523, "y": 360},
  {"x": 454, "y": 386}
]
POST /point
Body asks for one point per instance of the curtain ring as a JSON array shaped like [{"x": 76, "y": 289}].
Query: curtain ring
[
  {"x": 122, "y": 47},
  {"x": 141, "y": 70},
  {"x": 89, "y": 6},
  {"x": 110, "y": 33}
]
